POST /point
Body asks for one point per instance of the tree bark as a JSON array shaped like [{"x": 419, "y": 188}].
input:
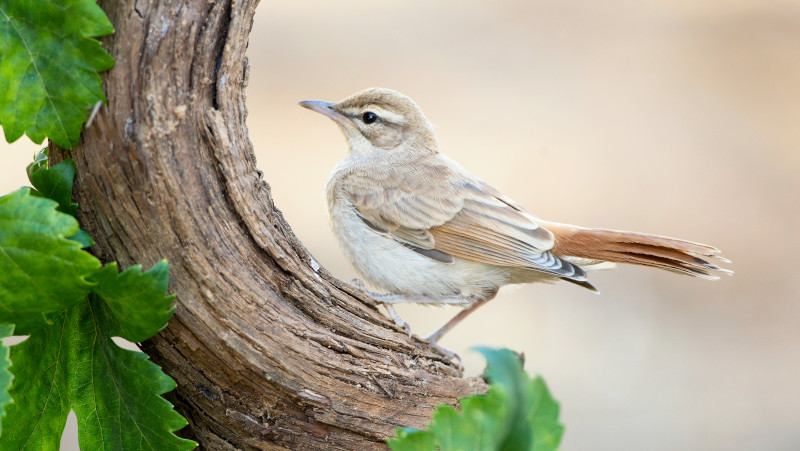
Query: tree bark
[{"x": 268, "y": 349}]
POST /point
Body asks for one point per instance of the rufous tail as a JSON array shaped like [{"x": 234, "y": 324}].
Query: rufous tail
[{"x": 672, "y": 254}]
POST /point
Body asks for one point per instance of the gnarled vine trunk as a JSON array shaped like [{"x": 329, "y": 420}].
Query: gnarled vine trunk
[{"x": 269, "y": 351}]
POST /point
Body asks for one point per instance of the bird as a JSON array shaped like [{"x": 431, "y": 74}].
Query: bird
[{"x": 419, "y": 228}]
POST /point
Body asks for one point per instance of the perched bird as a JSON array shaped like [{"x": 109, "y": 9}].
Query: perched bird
[{"x": 419, "y": 228}]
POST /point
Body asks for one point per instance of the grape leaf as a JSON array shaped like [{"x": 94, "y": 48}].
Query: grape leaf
[
  {"x": 5, "y": 376},
  {"x": 54, "y": 182},
  {"x": 83, "y": 238},
  {"x": 547, "y": 431},
  {"x": 49, "y": 65},
  {"x": 410, "y": 439},
  {"x": 41, "y": 270},
  {"x": 504, "y": 368},
  {"x": 122, "y": 409},
  {"x": 74, "y": 364},
  {"x": 480, "y": 425},
  {"x": 40, "y": 390},
  {"x": 125, "y": 293},
  {"x": 517, "y": 413}
]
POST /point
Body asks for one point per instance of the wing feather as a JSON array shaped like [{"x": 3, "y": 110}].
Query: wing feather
[{"x": 437, "y": 205}]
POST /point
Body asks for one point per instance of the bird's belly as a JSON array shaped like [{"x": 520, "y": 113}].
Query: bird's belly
[{"x": 389, "y": 267}]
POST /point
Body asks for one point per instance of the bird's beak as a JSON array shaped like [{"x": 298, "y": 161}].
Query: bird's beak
[{"x": 326, "y": 108}]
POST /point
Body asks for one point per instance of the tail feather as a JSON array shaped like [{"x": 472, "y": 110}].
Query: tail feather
[{"x": 671, "y": 254}]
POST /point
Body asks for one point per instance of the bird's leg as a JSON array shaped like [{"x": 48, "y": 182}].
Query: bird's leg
[
  {"x": 436, "y": 335},
  {"x": 397, "y": 319},
  {"x": 388, "y": 300},
  {"x": 358, "y": 283}
]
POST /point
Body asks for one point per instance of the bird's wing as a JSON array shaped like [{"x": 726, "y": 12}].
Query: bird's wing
[
  {"x": 406, "y": 204},
  {"x": 436, "y": 208}
]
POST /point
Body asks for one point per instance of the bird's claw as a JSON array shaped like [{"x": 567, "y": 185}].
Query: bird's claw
[
  {"x": 359, "y": 285},
  {"x": 397, "y": 319},
  {"x": 447, "y": 352},
  {"x": 405, "y": 326},
  {"x": 430, "y": 340}
]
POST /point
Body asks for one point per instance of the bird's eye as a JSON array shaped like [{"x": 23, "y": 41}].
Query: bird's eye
[{"x": 369, "y": 117}]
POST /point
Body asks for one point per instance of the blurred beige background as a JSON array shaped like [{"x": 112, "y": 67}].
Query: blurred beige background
[{"x": 679, "y": 118}]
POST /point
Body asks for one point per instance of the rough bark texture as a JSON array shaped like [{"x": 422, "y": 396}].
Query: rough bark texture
[{"x": 269, "y": 350}]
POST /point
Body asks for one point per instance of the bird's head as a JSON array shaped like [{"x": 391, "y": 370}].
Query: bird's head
[{"x": 379, "y": 119}]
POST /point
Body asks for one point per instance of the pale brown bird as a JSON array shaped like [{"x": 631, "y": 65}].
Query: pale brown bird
[{"x": 420, "y": 228}]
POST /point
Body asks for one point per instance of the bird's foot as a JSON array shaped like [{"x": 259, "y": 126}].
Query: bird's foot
[
  {"x": 431, "y": 341},
  {"x": 388, "y": 301},
  {"x": 359, "y": 285},
  {"x": 397, "y": 319}
]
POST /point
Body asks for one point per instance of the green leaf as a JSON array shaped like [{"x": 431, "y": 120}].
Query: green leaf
[
  {"x": 409, "y": 439},
  {"x": 83, "y": 238},
  {"x": 532, "y": 413},
  {"x": 517, "y": 413},
  {"x": 5, "y": 376},
  {"x": 122, "y": 410},
  {"x": 479, "y": 426},
  {"x": 49, "y": 67},
  {"x": 504, "y": 368},
  {"x": 543, "y": 416},
  {"x": 54, "y": 182},
  {"x": 126, "y": 294},
  {"x": 75, "y": 365},
  {"x": 41, "y": 389},
  {"x": 41, "y": 270}
]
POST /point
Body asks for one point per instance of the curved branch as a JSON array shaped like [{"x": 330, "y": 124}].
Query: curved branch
[{"x": 268, "y": 350}]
